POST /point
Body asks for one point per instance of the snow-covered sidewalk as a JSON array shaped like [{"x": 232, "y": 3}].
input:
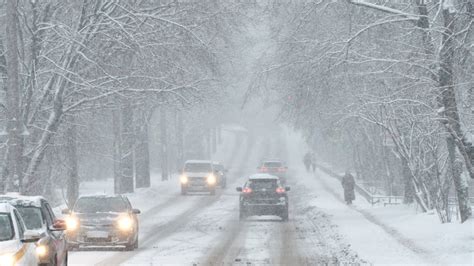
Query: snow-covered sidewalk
[{"x": 385, "y": 235}]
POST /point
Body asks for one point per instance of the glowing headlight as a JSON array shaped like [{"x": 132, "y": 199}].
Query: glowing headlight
[
  {"x": 42, "y": 251},
  {"x": 125, "y": 223},
  {"x": 211, "y": 179},
  {"x": 183, "y": 179},
  {"x": 7, "y": 260},
  {"x": 72, "y": 223}
]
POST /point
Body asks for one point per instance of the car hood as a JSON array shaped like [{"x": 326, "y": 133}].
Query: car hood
[
  {"x": 197, "y": 174},
  {"x": 100, "y": 218},
  {"x": 9, "y": 246}
]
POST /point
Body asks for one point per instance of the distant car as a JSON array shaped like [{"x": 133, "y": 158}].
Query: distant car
[
  {"x": 102, "y": 220},
  {"x": 263, "y": 194},
  {"x": 16, "y": 242},
  {"x": 39, "y": 217},
  {"x": 198, "y": 175},
  {"x": 221, "y": 173},
  {"x": 274, "y": 167}
]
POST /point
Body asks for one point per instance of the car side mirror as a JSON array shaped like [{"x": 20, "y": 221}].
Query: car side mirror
[
  {"x": 136, "y": 211},
  {"x": 65, "y": 211},
  {"x": 30, "y": 236},
  {"x": 58, "y": 225},
  {"x": 239, "y": 189},
  {"x": 287, "y": 188}
]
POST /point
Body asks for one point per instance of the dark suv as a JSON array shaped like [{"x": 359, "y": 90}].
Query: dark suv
[
  {"x": 38, "y": 216},
  {"x": 263, "y": 194},
  {"x": 102, "y": 221}
]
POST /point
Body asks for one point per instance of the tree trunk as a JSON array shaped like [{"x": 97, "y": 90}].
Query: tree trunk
[
  {"x": 451, "y": 115},
  {"x": 117, "y": 149},
  {"x": 72, "y": 191},
  {"x": 142, "y": 154},
  {"x": 164, "y": 144},
  {"x": 126, "y": 158},
  {"x": 14, "y": 121},
  {"x": 180, "y": 138}
]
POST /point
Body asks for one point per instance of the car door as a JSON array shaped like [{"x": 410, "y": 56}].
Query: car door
[
  {"x": 28, "y": 253},
  {"x": 57, "y": 237}
]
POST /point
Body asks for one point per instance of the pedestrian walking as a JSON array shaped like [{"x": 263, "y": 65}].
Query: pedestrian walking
[{"x": 348, "y": 184}]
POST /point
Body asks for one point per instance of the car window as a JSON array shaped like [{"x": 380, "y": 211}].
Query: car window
[
  {"x": 198, "y": 167},
  {"x": 272, "y": 164},
  {"x": 32, "y": 216},
  {"x": 47, "y": 216},
  {"x": 260, "y": 184},
  {"x": 100, "y": 204},
  {"x": 20, "y": 224},
  {"x": 219, "y": 167},
  {"x": 6, "y": 227}
]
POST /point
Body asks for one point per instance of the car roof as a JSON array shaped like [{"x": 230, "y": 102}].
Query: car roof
[
  {"x": 262, "y": 176},
  {"x": 6, "y": 207},
  {"x": 272, "y": 161},
  {"x": 101, "y": 196},
  {"x": 20, "y": 200},
  {"x": 198, "y": 161}
]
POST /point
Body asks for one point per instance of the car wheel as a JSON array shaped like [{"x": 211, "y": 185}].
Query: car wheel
[
  {"x": 242, "y": 215},
  {"x": 284, "y": 217},
  {"x": 135, "y": 244}
]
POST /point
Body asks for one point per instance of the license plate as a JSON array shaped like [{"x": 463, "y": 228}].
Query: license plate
[{"x": 97, "y": 234}]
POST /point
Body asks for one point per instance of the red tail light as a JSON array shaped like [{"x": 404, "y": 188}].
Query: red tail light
[
  {"x": 247, "y": 190},
  {"x": 280, "y": 190}
]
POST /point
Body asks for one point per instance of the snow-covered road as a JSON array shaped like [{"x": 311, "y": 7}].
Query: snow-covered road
[{"x": 205, "y": 230}]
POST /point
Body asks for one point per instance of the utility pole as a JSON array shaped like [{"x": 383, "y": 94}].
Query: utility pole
[{"x": 14, "y": 124}]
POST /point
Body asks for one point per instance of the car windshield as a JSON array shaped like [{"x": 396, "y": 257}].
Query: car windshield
[
  {"x": 218, "y": 167},
  {"x": 272, "y": 164},
  {"x": 31, "y": 216},
  {"x": 260, "y": 184},
  {"x": 6, "y": 227},
  {"x": 100, "y": 204},
  {"x": 198, "y": 167}
]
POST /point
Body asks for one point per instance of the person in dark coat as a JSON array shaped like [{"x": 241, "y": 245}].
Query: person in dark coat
[
  {"x": 348, "y": 183},
  {"x": 307, "y": 161}
]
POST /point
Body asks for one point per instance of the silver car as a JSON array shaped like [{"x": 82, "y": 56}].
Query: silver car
[{"x": 102, "y": 221}]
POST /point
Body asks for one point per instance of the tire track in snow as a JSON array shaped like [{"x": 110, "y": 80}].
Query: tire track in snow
[
  {"x": 232, "y": 244},
  {"x": 162, "y": 231}
]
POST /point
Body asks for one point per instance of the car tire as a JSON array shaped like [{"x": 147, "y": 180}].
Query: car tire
[
  {"x": 284, "y": 217},
  {"x": 130, "y": 247},
  {"x": 242, "y": 214},
  {"x": 135, "y": 245},
  {"x": 53, "y": 262}
]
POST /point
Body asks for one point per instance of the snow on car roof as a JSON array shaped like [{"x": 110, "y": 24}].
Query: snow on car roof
[
  {"x": 198, "y": 161},
  {"x": 5, "y": 207},
  {"x": 262, "y": 176},
  {"x": 100, "y": 195},
  {"x": 20, "y": 200}
]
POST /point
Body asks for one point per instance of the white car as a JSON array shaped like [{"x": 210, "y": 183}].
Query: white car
[{"x": 17, "y": 245}]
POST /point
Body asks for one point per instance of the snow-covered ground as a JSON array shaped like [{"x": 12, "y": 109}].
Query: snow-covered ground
[{"x": 395, "y": 234}]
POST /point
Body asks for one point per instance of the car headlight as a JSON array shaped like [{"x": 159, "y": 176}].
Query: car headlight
[
  {"x": 7, "y": 260},
  {"x": 211, "y": 179},
  {"x": 183, "y": 179},
  {"x": 72, "y": 223},
  {"x": 42, "y": 251},
  {"x": 125, "y": 223}
]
